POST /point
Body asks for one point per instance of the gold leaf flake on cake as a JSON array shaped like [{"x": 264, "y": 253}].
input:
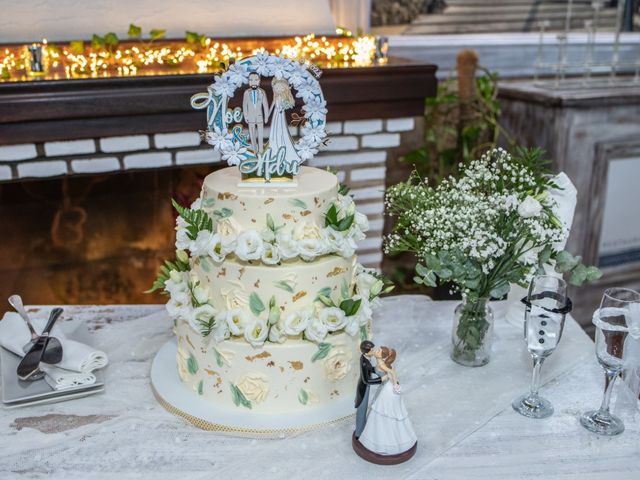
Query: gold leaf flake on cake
[
  {"x": 296, "y": 364},
  {"x": 240, "y": 273},
  {"x": 336, "y": 271},
  {"x": 316, "y": 200},
  {"x": 299, "y": 295},
  {"x": 271, "y": 364},
  {"x": 304, "y": 213},
  {"x": 222, "y": 272},
  {"x": 306, "y": 379},
  {"x": 269, "y": 200},
  {"x": 281, "y": 369},
  {"x": 210, "y": 372},
  {"x": 227, "y": 196},
  {"x": 257, "y": 284},
  {"x": 263, "y": 354},
  {"x": 287, "y": 216},
  {"x": 253, "y": 220}
]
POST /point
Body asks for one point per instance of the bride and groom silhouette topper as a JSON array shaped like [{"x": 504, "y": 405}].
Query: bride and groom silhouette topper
[
  {"x": 280, "y": 151},
  {"x": 384, "y": 434}
]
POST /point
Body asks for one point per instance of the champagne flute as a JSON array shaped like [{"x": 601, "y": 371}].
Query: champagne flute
[
  {"x": 612, "y": 327},
  {"x": 547, "y": 305}
]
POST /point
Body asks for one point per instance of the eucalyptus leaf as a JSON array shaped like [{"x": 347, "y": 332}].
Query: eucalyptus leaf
[
  {"x": 192, "y": 364},
  {"x": 326, "y": 300},
  {"x": 350, "y": 307},
  {"x": 593, "y": 273},
  {"x": 238, "y": 397},
  {"x": 500, "y": 290},
  {"x": 270, "y": 223}
]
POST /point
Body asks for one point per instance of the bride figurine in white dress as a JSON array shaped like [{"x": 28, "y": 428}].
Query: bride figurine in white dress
[
  {"x": 388, "y": 431},
  {"x": 279, "y": 138}
]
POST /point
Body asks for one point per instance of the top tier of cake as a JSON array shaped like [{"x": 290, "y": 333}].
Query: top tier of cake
[{"x": 306, "y": 203}]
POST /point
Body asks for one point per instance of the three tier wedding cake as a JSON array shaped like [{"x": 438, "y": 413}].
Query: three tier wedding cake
[{"x": 268, "y": 301}]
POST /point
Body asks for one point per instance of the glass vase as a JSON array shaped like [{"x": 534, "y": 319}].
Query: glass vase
[{"x": 472, "y": 333}]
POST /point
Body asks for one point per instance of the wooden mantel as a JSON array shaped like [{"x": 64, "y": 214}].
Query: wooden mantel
[{"x": 86, "y": 108}]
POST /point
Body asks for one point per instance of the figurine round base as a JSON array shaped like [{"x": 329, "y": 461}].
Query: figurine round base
[
  {"x": 178, "y": 399},
  {"x": 378, "y": 459}
]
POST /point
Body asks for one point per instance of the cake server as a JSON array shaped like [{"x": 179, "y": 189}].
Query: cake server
[
  {"x": 50, "y": 353},
  {"x": 28, "y": 369}
]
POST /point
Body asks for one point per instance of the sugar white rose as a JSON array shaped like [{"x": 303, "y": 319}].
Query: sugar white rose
[
  {"x": 333, "y": 317},
  {"x": 228, "y": 229},
  {"x": 220, "y": 330},
  {"x": 365, "y": 312},
  {"x": 256, "y": 332},
  {"x": 529, "y": 207},
  {"x": 296, "y": 322},
  {"x": 337, "y": 364},
  {"x": 217, "y": 252},
  {"x": 271, "y": 254},
  {"x": 287, "y": 244},
  {"x": 310, "y": 248},
  {"x": 364, "y": 283},
  {"x": 352, "y": 325},
  {"x": 276, "y": 335},
  {"x": 361, "y": 221},
  {"x": 305, "y": 230},
  {"x": 316, "y": 331},
  {"x": 183, "y": 370},
  {"x": 202, "y": 244},
  {"x": 237, "y": 320},
  {"x": 254, "y": 386},
  {"x": 250, "y": 245},
  {"x": 202, "y": 314}
]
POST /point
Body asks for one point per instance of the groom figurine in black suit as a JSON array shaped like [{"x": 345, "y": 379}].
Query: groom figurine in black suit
[{"x": 368, "y": 377}]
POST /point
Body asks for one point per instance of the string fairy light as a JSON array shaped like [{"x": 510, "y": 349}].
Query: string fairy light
[{"x": 179, "y": 57}]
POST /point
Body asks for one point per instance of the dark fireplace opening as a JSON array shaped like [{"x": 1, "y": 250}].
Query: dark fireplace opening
[{"x": 91, "y": 239}]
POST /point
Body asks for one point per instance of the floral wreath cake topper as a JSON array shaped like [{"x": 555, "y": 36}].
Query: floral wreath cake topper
[{"x": 279, "y": 159}]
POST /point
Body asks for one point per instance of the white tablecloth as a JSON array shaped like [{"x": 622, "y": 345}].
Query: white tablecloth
[{"x": 462, "y": 416}]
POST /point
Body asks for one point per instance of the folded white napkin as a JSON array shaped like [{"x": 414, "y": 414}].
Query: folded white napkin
[{"x": 78, "y": 359}]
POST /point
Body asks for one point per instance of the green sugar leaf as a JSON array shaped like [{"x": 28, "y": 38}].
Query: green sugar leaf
[
  {"x": 284, "y": 285},
  {"x": 201, "y": 387},
  {"x": 238, "y": 397},
  {"x": 296, "y": 202},
  {"x": 322, "y": 352},
  {"x": 192, "y": 364},
  {"x": 303, "y": 396},
  {"x": 255, "y": 304}
]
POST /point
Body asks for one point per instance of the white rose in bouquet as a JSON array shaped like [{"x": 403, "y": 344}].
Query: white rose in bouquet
[
  {"x": 237, "y": 320},
  {"x": 182, "y": 236},
  {"x": 316, "y": 331},
  {"x": 352, "y": 326},
  {"x": 365, "y": 312},
  {"x": 250, "y": 245},
  {"x": 200, "y": 294},
  {"x": 364, "y": 283},
  {"x": 256, "y": 332},
  {"x": 333, "y": 317},
  {"x": 529, "y": 207},
  {"x": 361, "y": 221}
]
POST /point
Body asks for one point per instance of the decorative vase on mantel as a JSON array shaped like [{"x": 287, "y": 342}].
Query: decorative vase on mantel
[{"x": 472, "y": 333}]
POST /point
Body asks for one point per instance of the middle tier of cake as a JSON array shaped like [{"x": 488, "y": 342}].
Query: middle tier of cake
[{"x": 292, "y": 286}]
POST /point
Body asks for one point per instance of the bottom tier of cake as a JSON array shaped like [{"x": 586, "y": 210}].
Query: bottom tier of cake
[{"x": 294, "y": 376}]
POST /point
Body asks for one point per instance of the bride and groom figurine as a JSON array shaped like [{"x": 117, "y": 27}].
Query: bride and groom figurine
[
  {"x": 256, "y": 112},
  {"x": 384, "y": 435}
]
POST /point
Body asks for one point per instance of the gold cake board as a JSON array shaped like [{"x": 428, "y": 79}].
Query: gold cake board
[{"x": 178, "y": 399}]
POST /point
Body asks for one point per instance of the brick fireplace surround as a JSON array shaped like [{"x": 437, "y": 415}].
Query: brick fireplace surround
[{"x": 84, "y": 189}]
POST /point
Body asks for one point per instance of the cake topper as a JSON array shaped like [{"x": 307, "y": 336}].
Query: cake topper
[
  {"x": 238, "y": 133},
  {"x": 384, "y": 435}
]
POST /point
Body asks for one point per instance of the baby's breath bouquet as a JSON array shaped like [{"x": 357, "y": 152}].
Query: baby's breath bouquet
[{"x": 494, "y": 225}]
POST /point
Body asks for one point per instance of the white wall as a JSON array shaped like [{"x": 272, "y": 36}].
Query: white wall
[{"x": 56, "y": 20}]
